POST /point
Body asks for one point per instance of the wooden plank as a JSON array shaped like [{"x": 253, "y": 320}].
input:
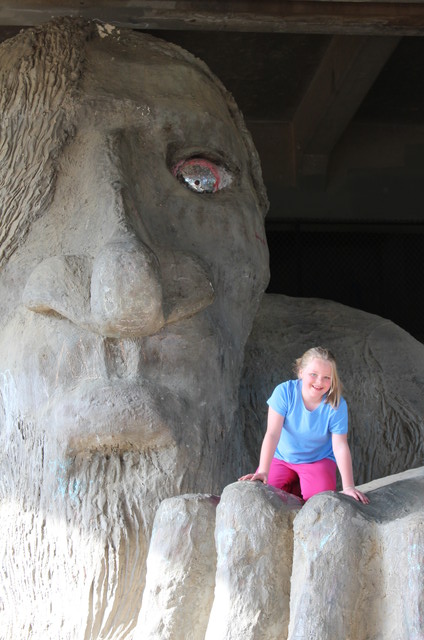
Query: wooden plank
[
  {"x": 379, "y": 17},
  {"x": 342, "y": 79}
]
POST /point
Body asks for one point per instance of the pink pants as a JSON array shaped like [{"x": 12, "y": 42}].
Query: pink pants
[{"x": 303, "y": 480}]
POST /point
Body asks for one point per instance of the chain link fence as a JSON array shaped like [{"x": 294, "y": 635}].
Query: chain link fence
[{"x": 376, "y": 268}]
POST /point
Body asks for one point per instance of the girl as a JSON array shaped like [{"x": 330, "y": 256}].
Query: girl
[{"x": 302, "y": 458}]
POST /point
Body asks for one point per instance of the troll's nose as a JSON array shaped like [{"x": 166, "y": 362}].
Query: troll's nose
[{"x": 126, "y": 289}]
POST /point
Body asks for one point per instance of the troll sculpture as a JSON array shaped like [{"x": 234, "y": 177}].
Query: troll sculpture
[{"x": 133, "y": 262}]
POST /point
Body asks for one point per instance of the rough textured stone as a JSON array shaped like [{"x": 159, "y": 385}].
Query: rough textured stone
[
  {"x": 254, "y": 540},
  {"x": 356, "y": 571},
  {"x": 181, "y": 569}
]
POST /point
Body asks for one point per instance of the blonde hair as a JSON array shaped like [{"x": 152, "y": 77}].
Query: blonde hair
[{"x": 319, "y": 353}]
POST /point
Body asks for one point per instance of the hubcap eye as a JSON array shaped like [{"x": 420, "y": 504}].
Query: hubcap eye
[{"x": 202, "y": 176}]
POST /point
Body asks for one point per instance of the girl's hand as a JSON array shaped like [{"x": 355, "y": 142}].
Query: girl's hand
[
  {"x": 355, "y": 493},
  {"x": 263, "y": 477}
]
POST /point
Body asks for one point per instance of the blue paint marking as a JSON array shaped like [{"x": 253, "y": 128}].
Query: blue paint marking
[{"x": 65, "y": 486}]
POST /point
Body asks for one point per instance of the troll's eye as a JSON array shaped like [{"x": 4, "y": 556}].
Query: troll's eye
[{"x": 201, "y": 175}]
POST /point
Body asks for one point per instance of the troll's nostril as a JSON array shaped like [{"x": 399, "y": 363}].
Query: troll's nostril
[{"x": 60, "y": 284}]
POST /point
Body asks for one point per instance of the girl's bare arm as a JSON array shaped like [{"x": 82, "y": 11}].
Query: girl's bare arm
[{"x": 269, "y": 444}]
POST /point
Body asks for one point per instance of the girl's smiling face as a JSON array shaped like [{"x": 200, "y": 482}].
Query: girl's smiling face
[{"x": 316, "y": 377}]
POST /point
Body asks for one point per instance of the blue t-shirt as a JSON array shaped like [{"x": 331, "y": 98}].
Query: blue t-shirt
[{"x": 306, "y": 435}]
